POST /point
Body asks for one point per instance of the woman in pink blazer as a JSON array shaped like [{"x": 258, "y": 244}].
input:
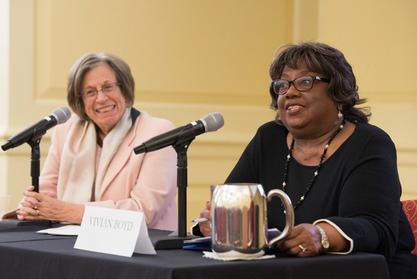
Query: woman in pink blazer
[{"x": 91, "y": 159}]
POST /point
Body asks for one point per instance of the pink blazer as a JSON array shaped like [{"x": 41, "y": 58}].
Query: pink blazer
[{"x": 145, "y": 182}]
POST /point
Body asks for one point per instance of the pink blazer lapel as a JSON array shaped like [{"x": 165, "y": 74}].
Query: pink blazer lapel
[{"x": 119, "y": 159}]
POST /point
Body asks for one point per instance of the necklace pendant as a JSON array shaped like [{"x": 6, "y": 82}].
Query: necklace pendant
[{"x": 316, "y": 173}]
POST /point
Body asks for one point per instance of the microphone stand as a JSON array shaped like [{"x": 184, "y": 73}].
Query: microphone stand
[
  {"x": 182, "y": 184},
  {"x": 175, "y": 240},
  {"x": 35, "y": 162},
  {"x": 35, "y": 173}
]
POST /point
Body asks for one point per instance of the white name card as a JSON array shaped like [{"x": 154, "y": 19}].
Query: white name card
[{"x": 114, "y": 231}]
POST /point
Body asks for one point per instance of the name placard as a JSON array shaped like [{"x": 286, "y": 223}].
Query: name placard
[{"x": 114, "y": 231}]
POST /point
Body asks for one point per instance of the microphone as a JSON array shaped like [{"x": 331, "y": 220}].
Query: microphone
[
  {"x": 57, "y": 117},
  {"x": 211, "y": 122}
]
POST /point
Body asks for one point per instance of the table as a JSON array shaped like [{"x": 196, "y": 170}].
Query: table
[{"x": 26, "y": 254}]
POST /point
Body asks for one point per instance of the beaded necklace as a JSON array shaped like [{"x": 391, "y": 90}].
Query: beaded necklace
[{"x": 316, "y": 172}]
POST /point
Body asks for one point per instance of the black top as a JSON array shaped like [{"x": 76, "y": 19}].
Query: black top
[{"x": 358, "y": 187}]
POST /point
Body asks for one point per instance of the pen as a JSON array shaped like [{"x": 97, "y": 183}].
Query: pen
[{"x": 199, "y": 220}]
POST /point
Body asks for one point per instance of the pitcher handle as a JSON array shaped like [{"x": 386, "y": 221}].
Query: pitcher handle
[{"x": 289, "y": 215}]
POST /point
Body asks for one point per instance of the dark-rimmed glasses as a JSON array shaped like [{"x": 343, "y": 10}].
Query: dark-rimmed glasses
[
  {"x": 92, "y": 92},
  {"x": 304, "y": 83}
]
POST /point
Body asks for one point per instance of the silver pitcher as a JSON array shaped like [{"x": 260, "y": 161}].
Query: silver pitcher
[{"x": 239, "y": 220}]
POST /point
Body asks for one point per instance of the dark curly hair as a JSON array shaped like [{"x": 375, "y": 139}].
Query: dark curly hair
[{"x": 326, "y": 60}]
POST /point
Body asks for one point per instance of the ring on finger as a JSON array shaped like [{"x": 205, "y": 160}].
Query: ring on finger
[{"x": 303, "y": 249}]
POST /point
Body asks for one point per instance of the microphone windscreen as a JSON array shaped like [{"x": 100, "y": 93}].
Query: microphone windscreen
[
  {"x": 212, "y": 121},
  {"x": 62, "y": 114}
]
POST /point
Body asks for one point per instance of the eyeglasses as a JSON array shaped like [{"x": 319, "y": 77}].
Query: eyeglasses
[
  {"x": 92, "y": 92},
  {"x": 305, "y": 83}
]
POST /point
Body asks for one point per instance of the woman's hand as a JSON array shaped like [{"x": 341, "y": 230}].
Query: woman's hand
[
  {"x": 304, "y": 241},
  {"x": 205, "y": 227},
  {"x": 44, "y": 206},
  {"x": 28, "y": 206}
]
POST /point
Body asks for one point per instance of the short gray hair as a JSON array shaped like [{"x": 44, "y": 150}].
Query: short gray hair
[{"x": 89, "y": 61}]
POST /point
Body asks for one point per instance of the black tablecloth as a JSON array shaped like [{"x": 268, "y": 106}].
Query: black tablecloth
[{"x": 25, "y": 254}]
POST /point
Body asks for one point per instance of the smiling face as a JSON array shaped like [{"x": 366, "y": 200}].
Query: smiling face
[
  {"x": 306, "y": 114},
  {"x": 105, "y": 109}
]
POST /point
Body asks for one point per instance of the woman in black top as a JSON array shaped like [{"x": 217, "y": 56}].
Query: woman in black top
[{"x": 339, "y": 171}]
